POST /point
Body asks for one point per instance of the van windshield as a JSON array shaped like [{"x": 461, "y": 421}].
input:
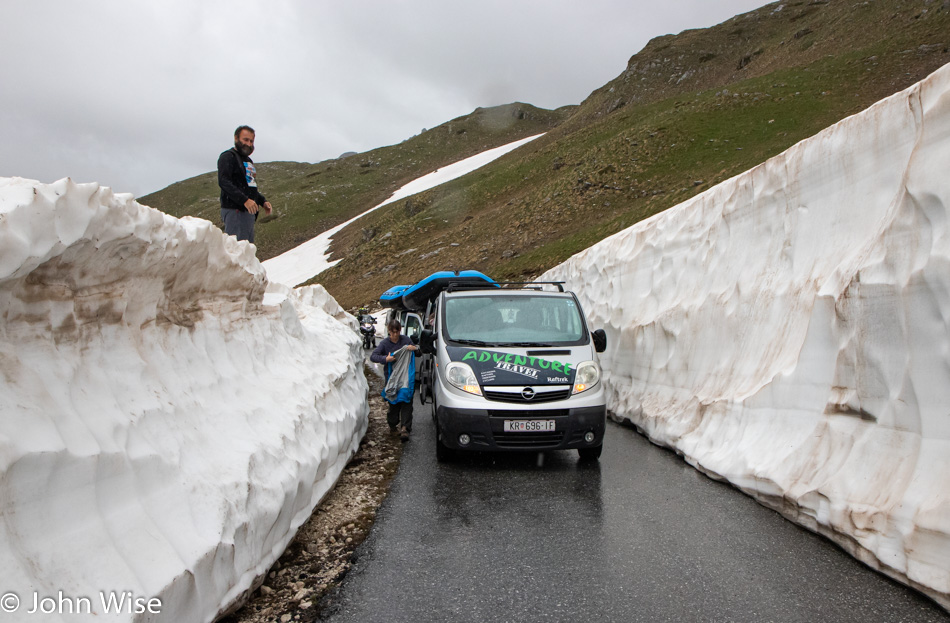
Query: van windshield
[{"x": 514, "y": 320}]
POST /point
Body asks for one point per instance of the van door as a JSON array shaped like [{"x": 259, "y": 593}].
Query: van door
[{"x": 412, "y": 328}]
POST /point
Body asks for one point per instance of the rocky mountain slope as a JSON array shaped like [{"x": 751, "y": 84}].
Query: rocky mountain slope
[{"x": 689, "y": 111}]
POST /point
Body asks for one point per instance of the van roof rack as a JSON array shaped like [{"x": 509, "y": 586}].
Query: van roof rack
[
  {"x": 523, "y": 285},
  {"x": 463, "y": 285}
]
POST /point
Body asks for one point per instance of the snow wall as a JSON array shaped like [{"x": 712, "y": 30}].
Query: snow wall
[
  {"x": 787, "y": 331},
  {"x": 168, "y": 419}
]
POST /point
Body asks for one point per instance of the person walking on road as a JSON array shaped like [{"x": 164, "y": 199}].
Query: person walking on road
[
  {"x": 241, "y": 202},
  {"x": 398, "y": 353}
]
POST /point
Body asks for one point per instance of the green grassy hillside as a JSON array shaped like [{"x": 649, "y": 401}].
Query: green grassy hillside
[
  {"x": 311, "y": 198},
  {"x": 689, "y": 111}
]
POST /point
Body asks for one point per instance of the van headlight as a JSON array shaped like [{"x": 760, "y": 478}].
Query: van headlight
[
  {"x": 588, "y": 375},
  {"x": 460, "y": 375}
]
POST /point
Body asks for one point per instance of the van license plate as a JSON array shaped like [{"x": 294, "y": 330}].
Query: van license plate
[{"x": 529, "y": 426}]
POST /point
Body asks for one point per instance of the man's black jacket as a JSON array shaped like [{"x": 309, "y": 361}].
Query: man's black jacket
[{"x": 233, "y": 181}]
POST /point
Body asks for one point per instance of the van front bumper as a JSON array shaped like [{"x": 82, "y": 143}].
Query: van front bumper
[{"x": 485, "y": 428}]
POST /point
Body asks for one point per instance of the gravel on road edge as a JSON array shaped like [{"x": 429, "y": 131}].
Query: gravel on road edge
[{"x": 320, "y": 553}]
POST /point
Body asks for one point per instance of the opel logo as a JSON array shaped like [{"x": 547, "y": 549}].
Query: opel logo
[{"x": 527, "y": 393}]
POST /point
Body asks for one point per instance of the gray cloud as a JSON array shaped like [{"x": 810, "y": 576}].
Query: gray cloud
[{"x": 137, "y": 96}]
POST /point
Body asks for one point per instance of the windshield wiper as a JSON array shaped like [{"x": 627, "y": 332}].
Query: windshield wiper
[
  {"x": 472, "y": 342},
  {"x": 529, "y": 344}
]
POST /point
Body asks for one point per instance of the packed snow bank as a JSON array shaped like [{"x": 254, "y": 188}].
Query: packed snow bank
[
  {"x": 789, "y": 330},
  {"x": 168, "y": 421},
  {"x": 311, "y": 258}
]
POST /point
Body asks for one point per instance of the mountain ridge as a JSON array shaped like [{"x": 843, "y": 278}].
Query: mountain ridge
[{"x": 688, "y": 111}]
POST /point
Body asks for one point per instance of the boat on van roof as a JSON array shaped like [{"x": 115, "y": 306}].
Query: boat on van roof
[
  {"x": 392, "y": 298},
  {"x": 418, "y": 295}
]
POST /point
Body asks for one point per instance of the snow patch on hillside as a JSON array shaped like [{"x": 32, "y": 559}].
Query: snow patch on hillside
[
  {"x": 311, "y": 258},
  {"x": 789, "y": 331}
]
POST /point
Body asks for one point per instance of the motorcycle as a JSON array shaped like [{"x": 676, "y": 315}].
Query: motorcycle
[{"x": 368, "y": 330}]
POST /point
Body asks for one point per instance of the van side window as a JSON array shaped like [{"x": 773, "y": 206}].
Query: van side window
[{"x": 413, "y": 326}]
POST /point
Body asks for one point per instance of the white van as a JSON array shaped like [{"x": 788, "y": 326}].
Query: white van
[{"x": 513, "y": 369}]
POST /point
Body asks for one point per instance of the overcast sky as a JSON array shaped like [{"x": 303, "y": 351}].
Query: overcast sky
[{"x": 139, "y": 95}]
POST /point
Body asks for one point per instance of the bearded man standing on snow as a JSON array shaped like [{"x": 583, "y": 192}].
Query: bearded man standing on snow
[{"x": 240, "y": 200}]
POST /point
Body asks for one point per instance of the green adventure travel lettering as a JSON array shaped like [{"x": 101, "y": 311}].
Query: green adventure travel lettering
[{"x": 484, "y": 356}]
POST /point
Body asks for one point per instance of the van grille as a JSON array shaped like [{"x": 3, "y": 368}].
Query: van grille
[
  {"x": 561, "y": 394},
  {"x": 534, "y": 414}
]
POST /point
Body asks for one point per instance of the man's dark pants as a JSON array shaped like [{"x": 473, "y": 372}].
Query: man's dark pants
[{"x": 238, "y": 223}]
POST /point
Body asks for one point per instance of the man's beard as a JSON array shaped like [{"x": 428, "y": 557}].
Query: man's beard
[{"x": 244, "y": 150}]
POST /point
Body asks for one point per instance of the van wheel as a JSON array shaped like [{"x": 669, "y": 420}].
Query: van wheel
[
  {"x": 590, "y": 454},
  {"x": 443, "y": 454}
]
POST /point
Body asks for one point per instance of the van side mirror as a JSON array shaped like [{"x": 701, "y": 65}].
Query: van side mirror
[
  {"x": 427, "y": 342},
  {"x": 600, "y": 340}
]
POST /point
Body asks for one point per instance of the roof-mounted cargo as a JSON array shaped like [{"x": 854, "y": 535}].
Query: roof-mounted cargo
[
  {"x": 392, "y": 298},
  {"x": 418, "y": 295}
]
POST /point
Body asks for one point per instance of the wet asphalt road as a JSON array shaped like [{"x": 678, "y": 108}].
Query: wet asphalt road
[{"x": 641, "y": 536}]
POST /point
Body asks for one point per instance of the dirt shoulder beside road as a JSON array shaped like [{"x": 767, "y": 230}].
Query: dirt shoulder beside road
[{"x": 319, "y": 556}]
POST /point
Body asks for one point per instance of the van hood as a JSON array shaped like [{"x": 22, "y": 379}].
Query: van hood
[{"x": 515, "y": 366}]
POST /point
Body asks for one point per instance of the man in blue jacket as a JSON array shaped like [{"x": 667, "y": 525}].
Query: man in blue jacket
[
  {"x": 237, "y": 177},
  {"x": 398, "y": 352}
]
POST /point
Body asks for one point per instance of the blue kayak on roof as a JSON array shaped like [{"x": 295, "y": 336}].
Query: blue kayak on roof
[
  {"x": 392, "y": 298},
  {"x": 417, "y": 296}
]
